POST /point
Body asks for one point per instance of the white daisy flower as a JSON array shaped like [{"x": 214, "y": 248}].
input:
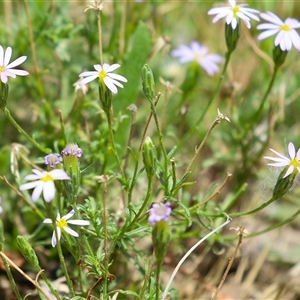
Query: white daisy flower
[
  {"x": 198, "y": 53},
  {"x": 282, "y": 161},
  {"x": 44, "y": 183},
  {"x": 233, "y": 13},
  {"x": 6, "y": 68},
  {"x": 286, "y": 36},
  {"x": 62, "y": 224},
  {"x": 104, "y": 73}
]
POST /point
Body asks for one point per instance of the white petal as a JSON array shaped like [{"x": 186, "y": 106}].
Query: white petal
[
  {"x": 59, "y": 174},
  {"x": 289, "y": 171},
  {"x": 69, "y": 215},
  {"x": 88, "y": 79},
  {"x": 79, "y": 222},
  {"x": 71, "y": 231},
  {"x": 272, "y": 18},
  {"x": 29, "y": 185},
  {"x": 266, "y": 34},
  {"x": 111, "y": 68},
  {"x": 291, "y": 150},
  {"x": 37, "y": 192},
  {"x": 7, "y": 55},
  {"x": 48, "y": 221},
  {"x": 117, "y": 77},
  {"x": 88, "y": 73},
  {"x": 49, "y": 191},
  {"x": 16, "y": 62},
  {"x": 110, "y": 85}
]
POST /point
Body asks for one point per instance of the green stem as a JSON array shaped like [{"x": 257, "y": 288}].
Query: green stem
[
  {"x": 157, "y": 285},
  {"x": 217, "y": 89},
  {"x": 20, "y": 130},
  {"x": 105, "y": 239},
  {"x": 162, "y": 146}
]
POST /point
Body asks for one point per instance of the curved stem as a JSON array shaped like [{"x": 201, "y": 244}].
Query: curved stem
[{"x": 20, "y": 130}]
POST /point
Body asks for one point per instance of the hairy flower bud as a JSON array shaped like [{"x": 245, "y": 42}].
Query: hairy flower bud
[
  {"x": 148, "y": 82},
  {"x": 27, "y": 251}
]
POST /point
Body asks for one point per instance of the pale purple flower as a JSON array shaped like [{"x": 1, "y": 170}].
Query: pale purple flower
[
  {"x": 6, "y": 68},
  {"x": 52, "y": 160},
  {"x": 43, "y": 182},
  {"x": 72, "y": 150},
  {"x": 62, "y": 224},
  {"x": 286, "y": 35},
  {"x": 104, "y": 74},
  {"x": 233, "y": 13},
  {"x": 197, "y": 52},
  {"x": 159, "y": 212},
  {"x": 282, "y": 161}
]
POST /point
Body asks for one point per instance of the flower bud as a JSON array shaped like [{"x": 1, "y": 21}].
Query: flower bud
[
  {"x": 148, "y": 82},
  {"x": 71, "y": 155},
  {"x": 27, "y": 251},
  {"x": 105, "y": 96},
  {"x": 283, "y": 184},
  {"x": 160, "y": 239},
  {"x": 52, "y": 160},
  {"x": 149, "y": 157},
  {"x": 279, "y": 56},
  {"x": 232, "y": 36}
]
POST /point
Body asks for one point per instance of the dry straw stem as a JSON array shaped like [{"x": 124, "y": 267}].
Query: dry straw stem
[
  {"x": 34, "y": 282},
  {"x": 241, "y": 232},
  {"x": 164, "y": 296}
]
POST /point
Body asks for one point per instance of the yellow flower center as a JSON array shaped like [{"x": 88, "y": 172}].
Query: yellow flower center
[
  {"x": 102, "y": 75},
  {"x": 48, "y": 177},
  {"x": 2, "y": 69},
  {"x": 295, "y": 162},
  {"x": 285, "y": 27},
  {"x": 61, "y": 223},
  {"x": 235, "y": 10}
]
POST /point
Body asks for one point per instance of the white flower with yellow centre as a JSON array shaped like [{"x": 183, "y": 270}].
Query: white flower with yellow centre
[
  {"x": 105, "y": 75},
  {"x": 286, "y": 36},
  {"x": 6, "y": 68},
  {"x": 197, "y": 52},
  {"x": 62, "y": 224},
  {"x": 43, "y": 183},
  {"x": 233, "y": 13},
  {"x": 282, "y": 161}
]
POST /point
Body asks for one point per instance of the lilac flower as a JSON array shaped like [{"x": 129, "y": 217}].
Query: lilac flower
[
  {"x": 233, "y": 13},
  {"x": 52, "y": 160},
  {"x": 286, "y": 35},
  {"x": 197, "y": 52},
  {"x": 72, "y": 150},
  {"x": 282, "y": 161},
  {"x": 159, "y": 212},
  {"x": 62, "y": 224},
  {"x": 43, "y": 183},
  {"x": 6, "y": 68},
  {"x": 104, "y": 74}
]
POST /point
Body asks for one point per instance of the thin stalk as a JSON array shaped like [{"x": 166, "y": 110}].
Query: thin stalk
[
  {"x": 231, "y": 260},
  {"x": 188, "y": 254},
  {"x": 217, "y": 89},
  {"x": 100, "y": 37},
  {"x": 157, "y": 285},
  {"x": 33, "y": 52},
  {"x": 20, "y": 130},
  {"x": 161, "y": 143},
  {"x": 105, "y": 240}
]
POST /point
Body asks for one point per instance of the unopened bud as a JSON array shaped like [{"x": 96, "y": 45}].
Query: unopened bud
[
  {"x": 279, "y": 56},
  {"x": 232, "y": 36},
  {"x": 148, "y": 82},
  {"x": 149, "y": 157},
  {"x": 283, "y": 184},
  {"x": 27, "y": 251}
]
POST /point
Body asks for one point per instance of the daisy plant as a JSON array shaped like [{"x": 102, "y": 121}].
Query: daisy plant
[
  {"x": 233, "y": 13},
  {"x": 105, "y": 75},
  {"x": 43, "y": 182},
  {"x": 62, "y": 225},
  {"x": 198, "y": 53},
  {"x": 286, "y": 35},
  {"x": 291, "y": 163},
  {"x": 6, "y": 68}
]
